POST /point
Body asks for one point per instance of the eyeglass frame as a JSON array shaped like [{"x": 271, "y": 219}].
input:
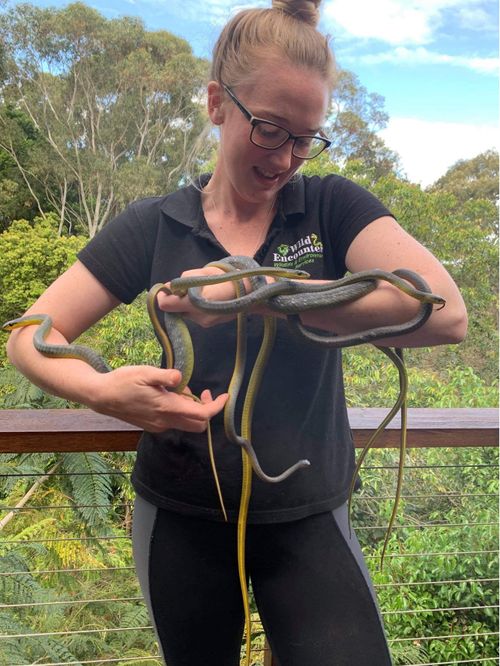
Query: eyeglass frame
[{"x": 254, "y": 121}]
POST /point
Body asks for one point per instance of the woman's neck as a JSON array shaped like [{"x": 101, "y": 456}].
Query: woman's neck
[
  {"x": 220, "y": 198},
  {"x": 240, "y": 229}
]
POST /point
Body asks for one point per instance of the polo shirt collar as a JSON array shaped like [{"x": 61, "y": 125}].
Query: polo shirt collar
[{"x": 184, "y": 205}]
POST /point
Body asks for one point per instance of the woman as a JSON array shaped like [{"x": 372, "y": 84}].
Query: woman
[{"x": 271, "y": 82}]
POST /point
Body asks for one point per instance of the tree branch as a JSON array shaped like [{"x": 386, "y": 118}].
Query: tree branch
[{"x": 6, "y": 519}]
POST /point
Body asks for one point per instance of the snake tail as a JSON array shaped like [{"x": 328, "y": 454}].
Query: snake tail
[
  {"x": 175, "y": 340},
  {"x": 215, "y": 474},
  {"x": 246, "y": 485},
  {"x": 246, "y": 432},
  {"x": 401, "y": 400},
  {"x": 246, "y": 490},
  {"x": 397, "y": 358}
]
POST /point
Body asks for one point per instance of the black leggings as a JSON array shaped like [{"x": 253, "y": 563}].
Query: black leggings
[{"x": 309, "y": 579}]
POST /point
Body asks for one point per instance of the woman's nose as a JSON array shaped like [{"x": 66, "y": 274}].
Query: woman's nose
[{"x": 282, "y": 158}]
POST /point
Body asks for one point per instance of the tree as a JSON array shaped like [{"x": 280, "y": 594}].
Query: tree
[
  {"x": 473, "y": 185},
  {"x": 356, "y": 117},
  {"x": 17, "y": 197},
  {"x": 109, "y": 100},
  {"x": 476, "y": 178}
]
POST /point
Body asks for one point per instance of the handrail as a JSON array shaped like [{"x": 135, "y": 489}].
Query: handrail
[{"x": 51, "y": 430}]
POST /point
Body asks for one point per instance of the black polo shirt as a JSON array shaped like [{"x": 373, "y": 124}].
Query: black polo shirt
[{"x": 300, "y": 411}]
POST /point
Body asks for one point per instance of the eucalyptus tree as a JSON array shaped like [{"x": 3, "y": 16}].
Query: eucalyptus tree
[
  {"x": 116, "y": 108},
  {"x": 474, "y": 185},
  {"x": 16, "y": 199},
  {"x": 356, "y": 116}
]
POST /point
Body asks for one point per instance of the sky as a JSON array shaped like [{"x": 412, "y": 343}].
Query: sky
[{"x": 435, "y": 62}]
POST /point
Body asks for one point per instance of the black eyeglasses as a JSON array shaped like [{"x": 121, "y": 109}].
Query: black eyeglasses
[{"x": 269, "y": 135}]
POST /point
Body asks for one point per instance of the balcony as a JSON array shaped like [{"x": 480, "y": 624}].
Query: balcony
[{"x": 68, "y": 594}]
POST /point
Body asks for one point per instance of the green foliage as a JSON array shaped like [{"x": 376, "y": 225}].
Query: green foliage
[
  {"x": 17, "y": 392},
  {"x": 81, "y": 498},
  {"x": 18, "y": 198},
  {"x": 31, "y": 257},
  {"x": 89, "y": 485},
  {"x": 457, "y": 236},
  {"x": 453, "y": 493},
  {"x": 126, "y": 337},
  {"x": 449, "y": 516},
  {"x": 472, "y": 179},
  {"x": 371, "y": 380},
  {"x": 462, "y": 235}
]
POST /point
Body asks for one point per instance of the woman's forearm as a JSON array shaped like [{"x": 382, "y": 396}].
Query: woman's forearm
[
  {"x": 72, "y": 379},
  {"x": 387, "y": 306}
]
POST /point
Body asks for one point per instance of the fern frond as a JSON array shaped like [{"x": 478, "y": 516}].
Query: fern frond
[
  {"x": 22, "y": 394},
  {"x": 16, "y": 589},
  {"x": 32, "y": 532},
  {"x": 74, "y": 553},
  {"x": 135, "y": 615},
  {"x": 13, "y": 650},
  {"x": 90, "y": 486},
  {"x": 49, "y": 648},
  {"x": 16, "y": 471}
]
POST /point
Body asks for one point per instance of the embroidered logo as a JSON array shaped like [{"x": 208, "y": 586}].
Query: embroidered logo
[{"x": 303, "y": 252}]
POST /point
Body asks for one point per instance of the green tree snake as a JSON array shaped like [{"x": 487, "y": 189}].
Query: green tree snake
[{"x": 289, "y": 295}]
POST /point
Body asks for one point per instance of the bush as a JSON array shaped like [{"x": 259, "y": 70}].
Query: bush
[{"x": 32, "y": 256}]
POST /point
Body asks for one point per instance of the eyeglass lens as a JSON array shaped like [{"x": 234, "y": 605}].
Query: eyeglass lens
[{"x": 268, "y": 135}]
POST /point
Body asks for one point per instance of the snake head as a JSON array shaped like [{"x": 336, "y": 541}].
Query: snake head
[{"x": 28, "y": 320}]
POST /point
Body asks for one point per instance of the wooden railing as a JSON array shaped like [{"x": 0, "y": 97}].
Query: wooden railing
[
  {"x": 77, "y": 430},
  {"x": 50, "y": 430}
]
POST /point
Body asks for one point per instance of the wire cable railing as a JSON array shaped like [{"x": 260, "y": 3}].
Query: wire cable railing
[{"x": 68, "y": 594}]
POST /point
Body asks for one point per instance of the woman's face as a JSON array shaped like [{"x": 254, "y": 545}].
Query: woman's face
[{"x": 295, "y": 98}]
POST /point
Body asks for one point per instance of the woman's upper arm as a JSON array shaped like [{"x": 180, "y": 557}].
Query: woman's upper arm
[{"x": 75, "y": 301}]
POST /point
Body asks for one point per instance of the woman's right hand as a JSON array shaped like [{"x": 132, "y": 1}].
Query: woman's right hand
[{"x": 144, "y": 396}]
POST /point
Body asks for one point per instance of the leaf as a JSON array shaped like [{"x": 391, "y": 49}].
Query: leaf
[{"x": 90, "y": 484}]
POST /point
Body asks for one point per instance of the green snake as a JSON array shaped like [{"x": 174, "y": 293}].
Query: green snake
[{"x": 288, "y": 297}]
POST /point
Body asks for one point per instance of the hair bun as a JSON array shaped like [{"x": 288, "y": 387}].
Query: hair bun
[{"x": 302, "y": 10}]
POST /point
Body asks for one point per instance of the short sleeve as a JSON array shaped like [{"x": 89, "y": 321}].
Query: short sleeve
[
  {"x": 120, "y": 255},
  {"x": 347, "y": 209}
]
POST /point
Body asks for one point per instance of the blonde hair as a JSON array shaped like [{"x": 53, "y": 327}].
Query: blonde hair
[{"x": 254, "y": 36}]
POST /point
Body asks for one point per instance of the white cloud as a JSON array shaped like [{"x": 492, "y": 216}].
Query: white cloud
[
  {"x": 476, "y": 18},
  {"x": 393, "y": 21},
  {"x": 423, "y": 56},
  {"x": 428, "y": 149}
]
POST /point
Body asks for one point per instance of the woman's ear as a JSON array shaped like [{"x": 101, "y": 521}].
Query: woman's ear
[{"x": 214, "y": 105}]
